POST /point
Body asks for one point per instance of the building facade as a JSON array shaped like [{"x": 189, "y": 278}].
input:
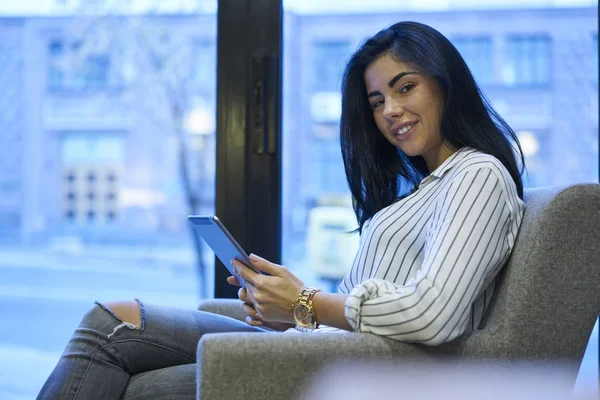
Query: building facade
[{"x": 90, "y": 147}]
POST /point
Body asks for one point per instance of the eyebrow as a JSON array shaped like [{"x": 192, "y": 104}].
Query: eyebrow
[{"x": 392, "y": 82}]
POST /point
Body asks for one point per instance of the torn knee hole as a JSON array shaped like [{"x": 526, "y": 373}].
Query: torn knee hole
[{"x": 130, "y": 315}]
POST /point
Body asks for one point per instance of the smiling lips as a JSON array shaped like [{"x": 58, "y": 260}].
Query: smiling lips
[{"x": 401, "y": 129}]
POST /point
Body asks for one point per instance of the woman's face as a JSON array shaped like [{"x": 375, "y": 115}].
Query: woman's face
[{"x": 407, "y": 107}]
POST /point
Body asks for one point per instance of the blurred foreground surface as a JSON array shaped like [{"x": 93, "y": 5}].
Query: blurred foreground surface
[{"x": 429, "y": 381}]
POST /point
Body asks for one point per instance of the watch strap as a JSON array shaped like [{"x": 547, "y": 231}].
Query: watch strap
[{"x": 306, "y": 299}]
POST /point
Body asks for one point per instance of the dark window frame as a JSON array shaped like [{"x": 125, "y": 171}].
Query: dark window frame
[{"x": 248, "y": 175}]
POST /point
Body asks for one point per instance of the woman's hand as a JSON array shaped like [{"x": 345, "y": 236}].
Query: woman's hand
[
  {"x": 271, "y": 296},
  {"x": 252, "y": 316}
]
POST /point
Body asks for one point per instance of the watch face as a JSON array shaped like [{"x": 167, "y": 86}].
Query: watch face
[{"x": 303, "y": 316}]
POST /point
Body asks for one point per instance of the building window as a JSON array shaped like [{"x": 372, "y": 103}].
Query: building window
[
  {"x": 477, "y": 53},
  {"x": 68, "y": 69},
  {"x": 56, "y": 71},
  {"x": 94, "y": 74},
  {"x": 329, "y": 60},
  {"x": 90, "y": 148},
  {"x": 527, "y": 61},
  {"x": 91, "y": 164}
]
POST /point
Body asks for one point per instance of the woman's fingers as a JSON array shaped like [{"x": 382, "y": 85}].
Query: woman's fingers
[
  {"x": 233, "y": 281},
  {"x": 245, "y": 273},
  {"x": 253, "y": 322},
  {"x": 249, "y": 310},
  {"x": 266, "y": 265},
  {"x": 250, "y": 295},
  {"x": 271, "y": 295},
  {"x": 242, "y": 294},
  {"x": 252, "y": 316}
]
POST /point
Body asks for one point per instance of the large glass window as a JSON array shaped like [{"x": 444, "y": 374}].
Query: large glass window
[
  {"x": 521, "y": 55},
  {"x": 107, "y": 143}
]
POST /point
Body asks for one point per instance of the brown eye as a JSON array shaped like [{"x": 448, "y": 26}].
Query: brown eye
[
  {"x": 376, "y": 104},
  {"x": 407, "y": 88}
]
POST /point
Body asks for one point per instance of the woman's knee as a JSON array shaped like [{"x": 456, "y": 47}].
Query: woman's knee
[{"x": 128, "y": 311}]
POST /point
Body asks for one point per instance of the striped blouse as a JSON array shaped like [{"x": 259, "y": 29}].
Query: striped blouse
[{"x": 426, "y": 266}]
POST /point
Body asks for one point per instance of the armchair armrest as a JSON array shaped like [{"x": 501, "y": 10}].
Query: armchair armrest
[
  {"x": 227, "y": 307},
  {"x": 279, "y": 365}
]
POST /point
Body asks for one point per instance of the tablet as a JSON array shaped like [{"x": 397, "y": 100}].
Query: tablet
[{"x": 218, "y": 238}]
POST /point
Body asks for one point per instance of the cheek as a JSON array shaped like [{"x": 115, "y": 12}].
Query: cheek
[
  {"x": 432, "y": 116},
  {"x": 437, "y": 116}
]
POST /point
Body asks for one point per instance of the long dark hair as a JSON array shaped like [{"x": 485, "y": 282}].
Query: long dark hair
[{"x": 377, "y": 172}]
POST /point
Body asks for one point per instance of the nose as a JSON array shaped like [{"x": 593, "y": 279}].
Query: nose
[{"x": 392, "y": 109}]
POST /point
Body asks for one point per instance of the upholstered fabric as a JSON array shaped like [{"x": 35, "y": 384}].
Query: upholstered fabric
[
  {"x": 549, "y": 296},
  {"x": 544, "y": 310}
]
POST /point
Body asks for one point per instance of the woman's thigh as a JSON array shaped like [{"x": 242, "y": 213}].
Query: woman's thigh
[
  {"x": 178, "y": 382},
  {"x": 107, "y": 353},
  {"x": 166, "y": 336}
]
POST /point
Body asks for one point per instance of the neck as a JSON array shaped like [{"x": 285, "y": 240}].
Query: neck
[{"x": 436, "y": 159}]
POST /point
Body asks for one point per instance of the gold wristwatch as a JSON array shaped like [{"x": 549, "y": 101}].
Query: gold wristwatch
[{"x": 303, "y": 310}]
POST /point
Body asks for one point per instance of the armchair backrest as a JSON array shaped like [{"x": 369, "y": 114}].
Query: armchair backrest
[{"x": 549, "y": 293}]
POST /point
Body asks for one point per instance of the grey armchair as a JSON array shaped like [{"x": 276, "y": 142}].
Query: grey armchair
[{"x": 545, "y": 309}]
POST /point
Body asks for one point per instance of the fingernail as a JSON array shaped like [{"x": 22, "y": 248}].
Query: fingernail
[{"x": 253, "y": 257}]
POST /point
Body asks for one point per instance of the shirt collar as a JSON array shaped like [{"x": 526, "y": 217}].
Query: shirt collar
[{"x": 448, "y": 164}]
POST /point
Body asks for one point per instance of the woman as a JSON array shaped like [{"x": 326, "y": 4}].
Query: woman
[{"x": 437, "y": 194}]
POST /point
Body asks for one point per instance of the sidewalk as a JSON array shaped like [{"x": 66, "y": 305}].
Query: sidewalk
[
  {"x": 168, "y": 275},
  {"x": 103, "y": 256}
]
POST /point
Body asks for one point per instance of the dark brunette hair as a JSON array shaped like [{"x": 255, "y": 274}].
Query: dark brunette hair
[{"x": 377, "y": 172}]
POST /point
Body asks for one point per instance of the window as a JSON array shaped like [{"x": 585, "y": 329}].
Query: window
[
  {"x": 56, "y": 73},
  {"x": 560, "y": 139},
  {"x": 527, "y": 61},
  {"x": 477, "y": 53},
  {"x": 94, "y": 74},
  {"x": 92, "y": 197},
  {"x": 70, "y": 69},
  {"x": 90, "y": 185},
  {"x": 83, "y": 148}
]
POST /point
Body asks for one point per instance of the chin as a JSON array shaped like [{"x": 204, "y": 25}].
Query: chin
[{"x": 410, "y": 151}]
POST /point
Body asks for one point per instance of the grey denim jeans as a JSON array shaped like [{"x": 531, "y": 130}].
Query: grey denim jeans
[{"x": 107, "y": 358}]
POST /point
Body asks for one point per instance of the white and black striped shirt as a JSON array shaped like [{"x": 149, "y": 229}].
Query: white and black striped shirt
[{"x": 426, "y": 266}]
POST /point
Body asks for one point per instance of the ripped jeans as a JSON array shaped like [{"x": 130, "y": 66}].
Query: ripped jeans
[{"x": 107, "y": 358}]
